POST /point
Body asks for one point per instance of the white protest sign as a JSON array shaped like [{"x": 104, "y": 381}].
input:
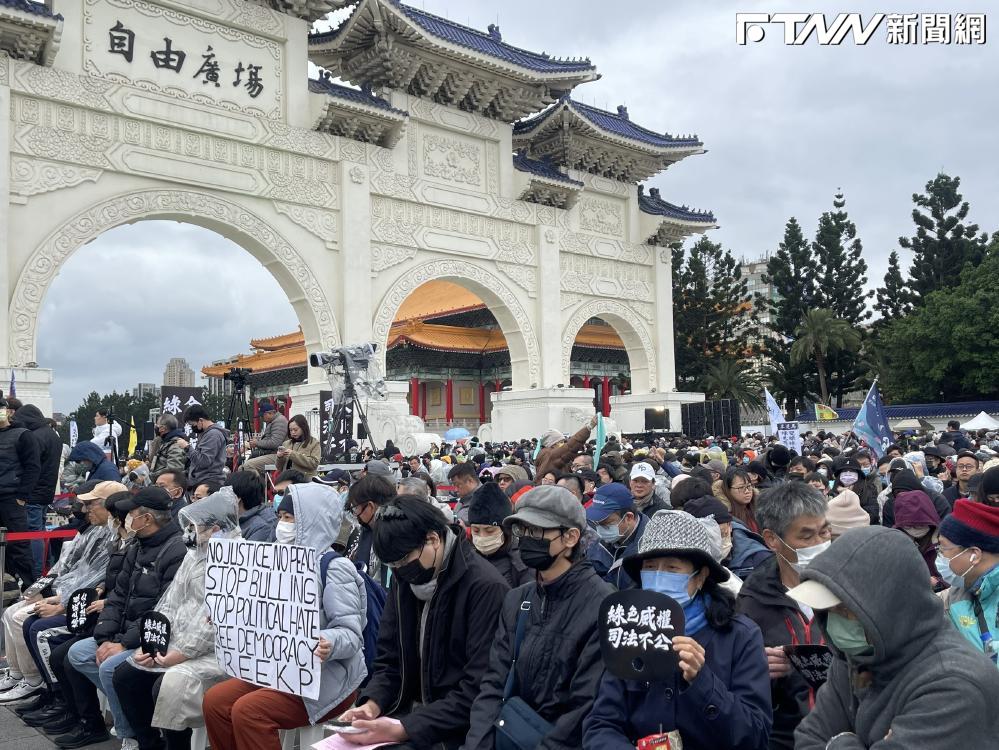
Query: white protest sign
[
  {"x": 789, "y": 437},
  {"x": 264, "y": 601}
]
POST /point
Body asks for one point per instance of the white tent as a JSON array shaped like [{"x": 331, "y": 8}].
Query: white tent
[{"x": 982, "y": 422}]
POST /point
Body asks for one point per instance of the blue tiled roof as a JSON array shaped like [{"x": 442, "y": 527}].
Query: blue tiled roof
[
  {"x": 323, "y": 86},
  {"x": 490, "y": 43},
  {"x": 653, "y": 204},
  {"x": 542, "y": 169},
  {"x": 619, "y": 124},
  {"x": 916, "y": 411},
  {"x": 28, "y": 6}
]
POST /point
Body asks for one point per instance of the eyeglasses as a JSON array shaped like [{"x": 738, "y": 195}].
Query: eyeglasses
[
  {"x": 532, "y": 532},
  {"x": 968, "y": 467},
  {"x": 399, "y": 563},
  {"x": 358, "y": 509},
  {"x": 741, "y": 487}
]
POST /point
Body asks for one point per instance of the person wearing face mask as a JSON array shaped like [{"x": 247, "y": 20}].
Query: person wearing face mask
[
  {"x": 901, "y": 675},
  {"x": 242, "y": 716},
  {"x": 619, "y": 526},
  {"x": 916, "y": 516},
  {"x": 849, "y": 475},
  {"x": 558, "y": 665},
  {"x": 795, "y": 527},
  {"x": 149, "y": 566},
  {"x": 364, "y": 499},
  {"x": 256, "y": 518},
  {"x": 905, "y": 480},
  {"x": 968, "y": 559},
  {"x": 487, "y": 509},
  {"x": 163, "y": 693},
  {"x": 721, "y": 697},
  {"x": 844, "y": 512},
  {"x": 207, "y": 458},
  {"x": 435, "y": 632},
  {"x": 717, "y": 520}
]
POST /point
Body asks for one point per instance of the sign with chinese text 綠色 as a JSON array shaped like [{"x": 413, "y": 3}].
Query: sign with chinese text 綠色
[
  {"x": 264, "y": 600},
  {"x": 182, "y": 56},
  {"x": 637, "y": 628}
]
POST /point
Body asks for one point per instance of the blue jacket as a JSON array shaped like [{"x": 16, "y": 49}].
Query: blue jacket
[
  {"x": 748, "y": 550},
  {"x": 727, "y": 707},
  {"x": 961, "y": 610},
  {"x": 103, "y": 470},
  {"x": 257, "y": 524}
]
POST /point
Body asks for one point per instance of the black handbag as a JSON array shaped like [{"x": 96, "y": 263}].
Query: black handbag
[{"x": 519, "y": 727}]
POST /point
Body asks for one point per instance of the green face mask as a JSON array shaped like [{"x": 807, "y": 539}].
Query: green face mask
[{"x": 848, "y": 635}]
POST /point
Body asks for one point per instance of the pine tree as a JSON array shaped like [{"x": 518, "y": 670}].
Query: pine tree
[
  {"x": 943, "y": 244},
  {"x": 892, "y": 298}
]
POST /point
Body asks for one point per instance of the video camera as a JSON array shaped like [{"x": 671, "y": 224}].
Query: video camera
[
  {"x": 237, "y": 374},
  {"x": 348, "y": 357}
]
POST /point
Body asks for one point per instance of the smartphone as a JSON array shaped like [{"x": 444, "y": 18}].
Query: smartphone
[{"x": 342, "y": 727}]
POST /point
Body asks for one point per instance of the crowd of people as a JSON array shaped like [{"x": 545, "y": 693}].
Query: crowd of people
[{"x": 488, "y": 562}]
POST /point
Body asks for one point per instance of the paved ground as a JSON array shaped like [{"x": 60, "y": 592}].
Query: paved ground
[{"x": 14, "y": 735}]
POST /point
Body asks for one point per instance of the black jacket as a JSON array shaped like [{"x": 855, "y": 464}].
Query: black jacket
[
  {"x": 118, "y": 549},
  {"x": 906, "y": 481},
  {"x": 459, "y": 631},
  {"x": 509, "y": 565},
  {"x": 18, "y": 463},
  {"x": 764, "y": 600},
  {"x": 559, "y": 665},
  {"x": 952, "y": 494},
  {"x": 867, "y": 490},
  {"x": 147, "y": 569},
  {"x": 49, "y": 452}
]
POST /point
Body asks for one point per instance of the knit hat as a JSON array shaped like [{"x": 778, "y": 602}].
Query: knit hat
[
  {"x": 674, "y": 532},
  {"x": 551, "y": 438},
  {"x": 972, "y": 525},
  {"x": 844, "y": 512},
  {"x": 990, "y": 482},
  {"x": 779, "y": 456},
  {"x": 704, "y": 507},
  {"x": 716, "y": 465},
  {"x": 548, "y": 507},
  {"x": 489, "y": 505}
]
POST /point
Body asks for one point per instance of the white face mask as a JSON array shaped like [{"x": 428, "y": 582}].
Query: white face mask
[
  {"x": 916, "y": 532},
  {"x": 284, "y": 532},
  {"x": 487, "y": 544},
  {"x": 726, "y": 548},
  {"x": 848, "y": 478},
  {"x": 805, "y": 554}
]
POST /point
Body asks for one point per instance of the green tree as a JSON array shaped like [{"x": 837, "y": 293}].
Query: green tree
[
  {"x": 728, "y": 378},
  {"x": 893, "y": 298},
  {"x": 947, "y": 348},
  {"x": 943, "y": 244},
  {"x": 821, "y": 335}
]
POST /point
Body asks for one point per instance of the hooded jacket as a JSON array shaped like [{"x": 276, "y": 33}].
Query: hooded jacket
[
  {"x": 960, "y": 604},
  {"x": 906, "y": 481},
  {"x": 914, "y": 508},
  {"x": 318, "y": 514},
  {"x": 49, "y": 452},
  {"x": 102, "y": 469},
  {"x": 206, "y": 460},
  {"x": 764, "y": 600},
  {"x": 444, "y": 672},
  {"x": 168, "y": 455},
  {"x": 559, "y": 666},
  {"x": 258, "y": 523},
  {"x": 923, "y": 686}
]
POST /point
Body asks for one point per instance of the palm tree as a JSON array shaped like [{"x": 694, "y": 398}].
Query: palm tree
[
  {"x": 820, "y": 334},
  {"x": 730, "y": 379}
]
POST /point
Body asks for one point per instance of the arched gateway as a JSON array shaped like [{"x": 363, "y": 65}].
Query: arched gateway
[{"x": 450, "y": 155}]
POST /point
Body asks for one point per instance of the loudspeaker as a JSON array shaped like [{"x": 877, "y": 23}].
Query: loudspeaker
[
  {"x": 657, "y": 419},
  {"x": 148, "y": 431},
  {"x": 692, "y": 418}
]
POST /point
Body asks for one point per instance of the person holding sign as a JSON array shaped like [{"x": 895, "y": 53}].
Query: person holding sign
[
  {"x": 720, "y": 697},
  {"x": 165, "y": 692},
  {"x": 240, "y": 715},
  {"x": 435, "y": 634},
  {"x": 547, "y": 633},
  {"x": 901, "y": 676}
]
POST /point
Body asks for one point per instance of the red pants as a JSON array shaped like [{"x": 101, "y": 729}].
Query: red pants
[{"x": 241, "y": 716}]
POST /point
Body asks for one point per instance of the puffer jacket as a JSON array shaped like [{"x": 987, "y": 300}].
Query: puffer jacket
[
  {"x": 922, "y": 684},
  {"x": 559, "y": 665},
  {"x": 257, "y": 524},
  {"x": 148, "y": 568},
  {"x": 960, "y": 604},
  {"x": 117, "y": 552},
  {"x": 461, "y": 623},
  {"x": 318, "y": 514},
  {"x": 49, "y": 452},
  {"x": 168, "y": 455}
]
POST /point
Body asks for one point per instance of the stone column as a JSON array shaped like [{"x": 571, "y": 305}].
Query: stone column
[
  {"x": 414, "y": 396},
  {"x": 549, "y": 305},
  {"x": 5, "y": 270},
  {"x": 605, "y": 396},
  {"x": 355, "y": 257},
  {"x": 449, "y": 401},
  {"x": 482, "y": 402},
  {"x": 666, "y": 365}
]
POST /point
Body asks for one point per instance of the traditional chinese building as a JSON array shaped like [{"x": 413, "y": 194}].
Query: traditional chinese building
[{"x": 448, "y": 346}]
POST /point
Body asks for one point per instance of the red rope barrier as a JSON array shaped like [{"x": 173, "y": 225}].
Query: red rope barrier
[{"x": 27, "y": 536}]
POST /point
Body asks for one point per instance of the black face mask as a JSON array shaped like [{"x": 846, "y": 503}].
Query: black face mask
[
  {"x": 414, "y": 573},
  {"x": 535, "y": 553}
]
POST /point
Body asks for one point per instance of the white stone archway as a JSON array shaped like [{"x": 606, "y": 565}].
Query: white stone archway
[
  {"x": 513, "y": 319},
  {"x": 637, "y": 340},
  {"x": 229, "y": 219}
]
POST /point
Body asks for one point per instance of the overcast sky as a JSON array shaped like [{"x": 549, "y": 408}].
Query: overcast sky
[{"x": 784, "y": 127}]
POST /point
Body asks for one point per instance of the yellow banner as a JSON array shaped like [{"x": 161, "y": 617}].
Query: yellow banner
[{"x": 825, "y": 412}]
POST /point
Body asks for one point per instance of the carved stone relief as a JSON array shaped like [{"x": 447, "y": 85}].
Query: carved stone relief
[
  {"x": 603, "y": 216},
  {"x": 321, "y": 223},
  {"x": 384, "y": 257},
  {"x": 452, "y": 159},
  {"x": 523, "y": 276},
  {"x": 605, "y": 278},
  {"x": 34, "y": 176}
]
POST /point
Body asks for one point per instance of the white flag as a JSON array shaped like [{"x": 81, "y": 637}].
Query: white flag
[
  {"x": 74, "y": 433},
  {"x": 776, "y": 415}
]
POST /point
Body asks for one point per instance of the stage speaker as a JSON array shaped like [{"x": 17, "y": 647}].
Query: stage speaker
[
  {"x": 657, "y": 419},
  {"x": 692, "y": 417},
  {"x": 148, "y": 431}
]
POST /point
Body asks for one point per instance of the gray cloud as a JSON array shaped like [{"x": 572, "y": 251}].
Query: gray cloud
[{"x": 785, "y": 127}]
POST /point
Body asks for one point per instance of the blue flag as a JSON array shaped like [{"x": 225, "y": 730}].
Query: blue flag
[{"x": 871, "y": 424}]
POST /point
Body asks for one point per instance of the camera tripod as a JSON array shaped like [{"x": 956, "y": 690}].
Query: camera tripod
[{"x": 341, "y": 423}]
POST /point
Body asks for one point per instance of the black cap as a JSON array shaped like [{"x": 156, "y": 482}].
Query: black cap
[{"x": 154, "y": 498}]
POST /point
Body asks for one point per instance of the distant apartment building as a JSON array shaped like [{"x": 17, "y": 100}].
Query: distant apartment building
[
  {"x": 145, "y": 389},
  {"x": 178, "y": 373}
]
